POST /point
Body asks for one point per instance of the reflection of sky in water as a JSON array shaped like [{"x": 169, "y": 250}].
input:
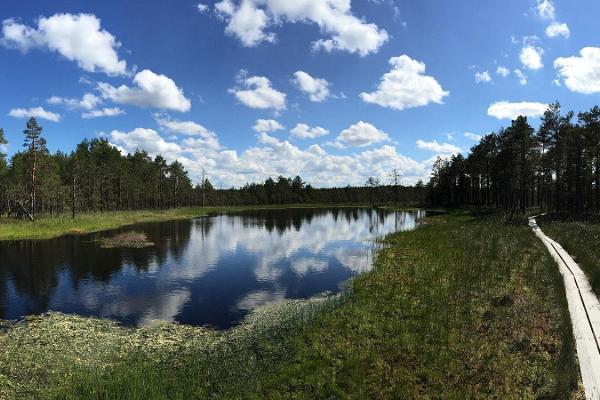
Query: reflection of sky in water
[{"x": 206, "y": 271}]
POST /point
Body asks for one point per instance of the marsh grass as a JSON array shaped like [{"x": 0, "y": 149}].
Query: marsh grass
[
  {"x": 462, "y": 307},
  {"x": 97, "y": 358},
  {"x": 580, "y": 239}
]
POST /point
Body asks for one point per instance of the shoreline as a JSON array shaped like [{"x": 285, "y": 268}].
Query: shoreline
[{"x": 51, "y": 228}]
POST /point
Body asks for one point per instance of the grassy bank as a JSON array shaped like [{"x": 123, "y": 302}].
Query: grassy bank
[
  {"x": 463, "y": 307},
  {"x": 580, "y": 240},
  {"x": 46, "y": 228}
]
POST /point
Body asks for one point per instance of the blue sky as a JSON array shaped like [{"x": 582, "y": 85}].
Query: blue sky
[{"x": 333, "y": 90}]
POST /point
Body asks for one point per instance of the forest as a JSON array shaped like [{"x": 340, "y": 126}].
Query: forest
[
  {"x": 556, "y": 168},
  {"x": 97, "y": 177}
]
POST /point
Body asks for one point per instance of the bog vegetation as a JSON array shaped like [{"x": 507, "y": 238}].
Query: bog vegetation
[{"x": 463, "y": 307}]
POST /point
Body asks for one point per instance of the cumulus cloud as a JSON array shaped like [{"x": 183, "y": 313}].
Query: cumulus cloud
[
  {"x": 581, "y": 73},
  {"x": 531, "y": 57},
  {"x": 188, "y": 128},
  {"x": 272, "y": 157},
  {"x": 104, "y": 112},
  {"x": 303, "y": 131},
  {"x": 503, "y": 71},
  {"x": 259, "y": 93},
  {"x": 145, "y": 139},
  {"x": 246, "y": 22},
  {"x": 151, "y": 90},
  {"x": 406, "y": 86},
  {"x": 89, "y": 101},
  {"x": 439, "y": 148},
  {"x": 37, "y": 112},
  {"x": 267, "y": 125},
  {"x": 249, "y": 20},
  {"x": 545, "y": 9},
  {"x": 557, "y": 29},
  {"x": 317, "y": 89},
  {"x": 202, "y": 8},
  {"x": 507, "y": 110},
  {"x": 77, "y": 37},
  {"x": 360, "y": 134},
  {"x": 482, "y": 77}
]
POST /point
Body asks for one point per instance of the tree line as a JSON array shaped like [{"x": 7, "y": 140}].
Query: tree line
[
  {"x": 555, "y": 168},
  {"x": 97, "y": 177}
]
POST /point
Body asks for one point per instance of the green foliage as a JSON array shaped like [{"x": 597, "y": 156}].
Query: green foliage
[{"x": 556, "y": 168}]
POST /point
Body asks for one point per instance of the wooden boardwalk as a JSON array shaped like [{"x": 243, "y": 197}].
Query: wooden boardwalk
[{"x": 584, "y": 309}]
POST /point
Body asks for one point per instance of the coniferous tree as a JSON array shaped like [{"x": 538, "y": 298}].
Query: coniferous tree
[{"x": 35, "y": 145}]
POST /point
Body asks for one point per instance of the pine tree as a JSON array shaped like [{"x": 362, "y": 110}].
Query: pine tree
[{"x": 35, "y": 144}]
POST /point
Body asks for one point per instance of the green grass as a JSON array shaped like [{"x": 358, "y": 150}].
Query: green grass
[
  {"x": 462, "y": 307},
  {"x": 580, "y": 240},
  {"x": 46, "y": 228}
]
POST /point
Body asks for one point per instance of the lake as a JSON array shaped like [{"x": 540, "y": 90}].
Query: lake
[{"x": 208, "y": 271}]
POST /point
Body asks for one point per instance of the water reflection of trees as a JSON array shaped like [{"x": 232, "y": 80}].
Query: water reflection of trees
[
  {"x": 282, "y": 220},
  {"x": 34, "y": 266}
]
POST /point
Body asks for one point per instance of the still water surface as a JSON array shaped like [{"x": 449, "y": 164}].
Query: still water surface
[{"x": 206, "y": 271}]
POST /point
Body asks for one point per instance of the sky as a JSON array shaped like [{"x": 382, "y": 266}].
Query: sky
[{"x": 332, "y": 90}]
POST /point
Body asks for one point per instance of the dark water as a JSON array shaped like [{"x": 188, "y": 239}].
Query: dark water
[{"x": 206, "y": 271}]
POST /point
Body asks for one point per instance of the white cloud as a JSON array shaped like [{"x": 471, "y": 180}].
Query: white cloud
[
  {"x": 406, "y": 86},
  {"x": 104, "y": 112},
  {"x": 316, "y": 88},
  {"x": 473, "y": 136},
  {"x": 37, "y": 112},
  {"x": 248, "y": 20},
  {"x": 557, "y": 29},
  {"x": 303, "y": 131},
  {"x": 545, "y": 9},
  {"x": 267, "y": 125},
  {"x": 188, "y": 128},
  {"x": 581, "y": 73},
  {"x": 360, "y": 134},
  {"x": 503, "y": 71},
  {"x": 531, "y": 57},
  {"x": 521, "y": 76},
  {"x": 151, "y": 90},
  {"x": 273, "y": 157},
  {"x": 202, "y": 8},
  {"x": 77, "y": 37},
  {"x": 245, "y": 21},
  {"x": 145, "y": 139},
  {"x": 507, "y": 110},
  {"x": 439, "y": 148},
  {"x": 483, "y": 77},
  {"x": 89, "y": 101},
  {"x": 259, "y": 94}
]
